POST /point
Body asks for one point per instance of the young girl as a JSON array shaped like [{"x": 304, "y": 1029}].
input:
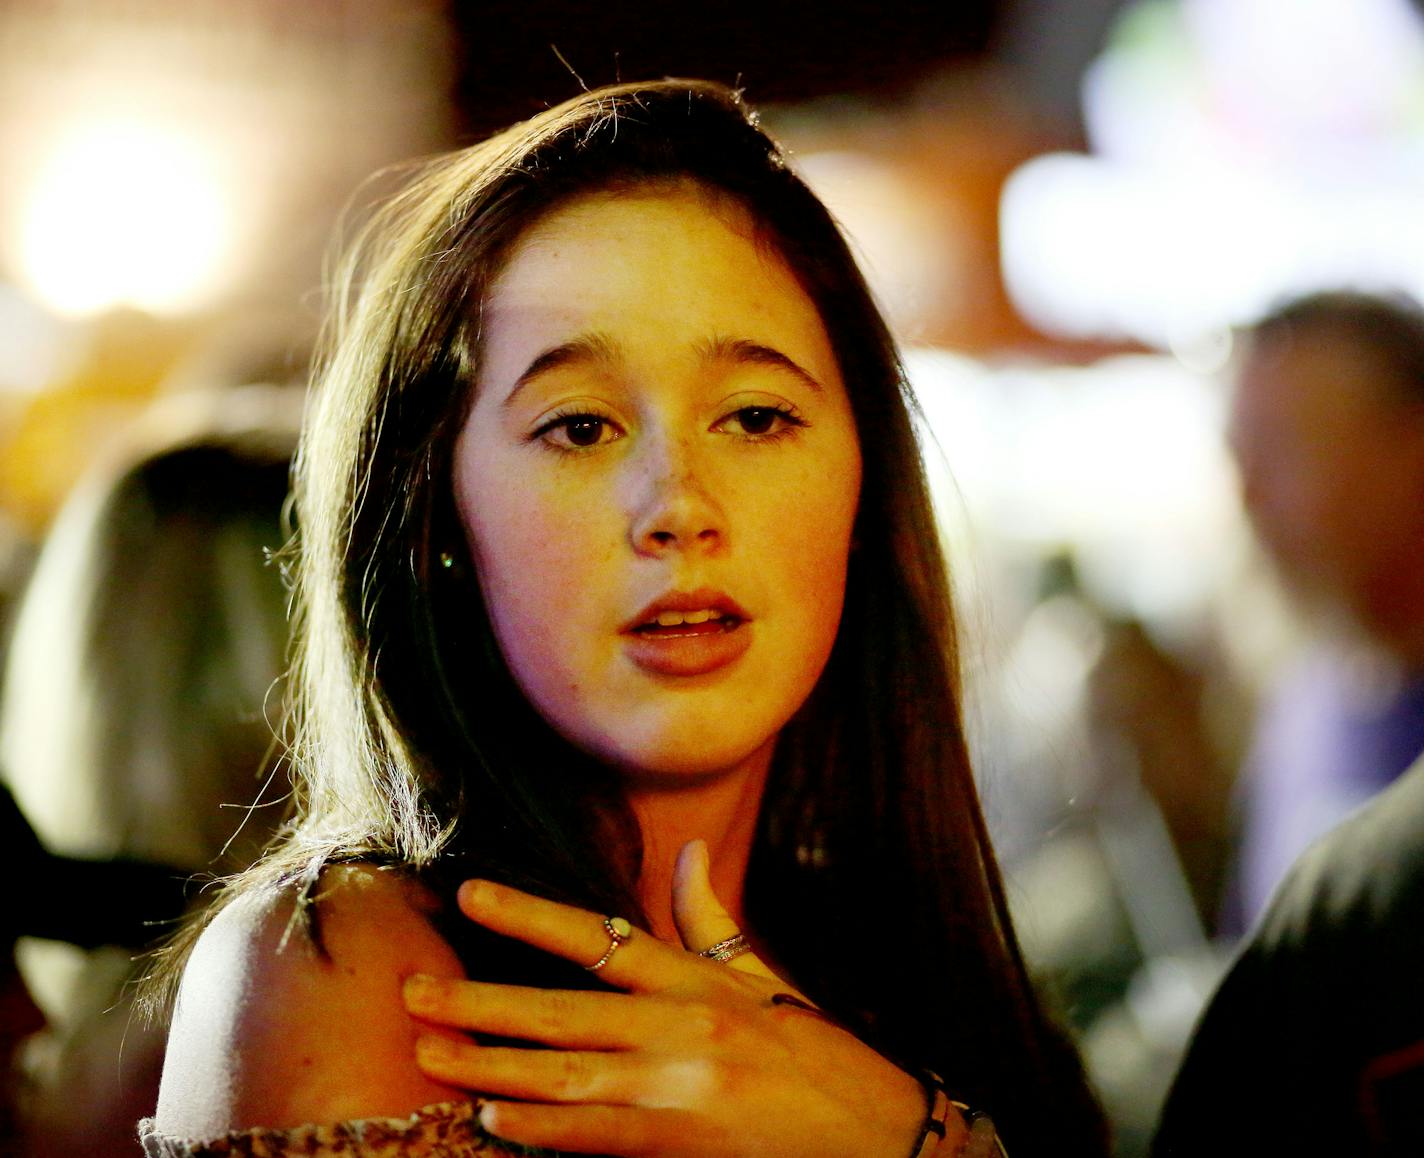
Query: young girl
[{"x": 621, "y": 601}]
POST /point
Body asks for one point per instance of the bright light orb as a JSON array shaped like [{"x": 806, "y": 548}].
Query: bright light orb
[{"x": 126, "y": 214}]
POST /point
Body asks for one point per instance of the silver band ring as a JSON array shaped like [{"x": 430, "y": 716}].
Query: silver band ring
[
  {"x": 618, "y": 931},
  {"x": 724, "y": 951}
]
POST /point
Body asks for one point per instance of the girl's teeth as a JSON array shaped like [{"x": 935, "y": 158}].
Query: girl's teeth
[{"x": 678, "y": 618}]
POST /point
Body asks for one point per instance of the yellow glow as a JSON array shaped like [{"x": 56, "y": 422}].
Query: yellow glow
[{"x": 126, "y": 213}]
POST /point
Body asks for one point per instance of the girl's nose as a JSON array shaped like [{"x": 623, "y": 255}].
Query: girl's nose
[{"x": 676, "y": 511}]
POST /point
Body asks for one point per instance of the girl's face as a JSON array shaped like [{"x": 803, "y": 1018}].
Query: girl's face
[{"x": 658, "y": 479}]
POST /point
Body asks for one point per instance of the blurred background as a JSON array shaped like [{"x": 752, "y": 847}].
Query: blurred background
[{"x": 1069, "y": 209}]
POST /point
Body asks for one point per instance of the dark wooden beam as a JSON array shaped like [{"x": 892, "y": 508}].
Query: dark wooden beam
[{"x": 517, "y": 56}]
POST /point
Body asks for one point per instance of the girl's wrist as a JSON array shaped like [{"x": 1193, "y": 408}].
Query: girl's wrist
[
  {"x": 951, "y": 1129},
  {"x": 943, "y": 1131}
]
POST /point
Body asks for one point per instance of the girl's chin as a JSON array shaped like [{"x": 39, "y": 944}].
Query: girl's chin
[{"x": 688, "y": 766}]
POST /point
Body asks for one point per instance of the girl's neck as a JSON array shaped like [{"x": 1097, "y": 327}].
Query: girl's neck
[{"x": 720, "y": 810}]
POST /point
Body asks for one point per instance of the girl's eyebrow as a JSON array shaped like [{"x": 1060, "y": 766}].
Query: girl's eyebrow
[
  {"x": 600, "y": 348},
  {"x": 594, "y": 347},
  {"x": 742, "y": 351}
]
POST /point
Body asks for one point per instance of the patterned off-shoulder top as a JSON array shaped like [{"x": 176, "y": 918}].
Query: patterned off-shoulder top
[{"x": 444, "y": 1130}]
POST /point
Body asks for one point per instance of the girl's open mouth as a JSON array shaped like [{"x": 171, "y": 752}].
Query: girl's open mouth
[
  {"x": 685, "y": 624},
  {"x": 696, "y": 638}
]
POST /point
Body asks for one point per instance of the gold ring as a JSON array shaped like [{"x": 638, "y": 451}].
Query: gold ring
[{"x": 619, "y": 931}]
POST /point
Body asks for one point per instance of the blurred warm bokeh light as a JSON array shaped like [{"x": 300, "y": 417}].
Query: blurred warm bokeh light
[
  {"x": 171, "y": 170},
  {"x": 157, "y": 239}
]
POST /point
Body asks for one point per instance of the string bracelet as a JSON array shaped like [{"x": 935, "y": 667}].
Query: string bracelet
[{"x": 977, "y": 1137}]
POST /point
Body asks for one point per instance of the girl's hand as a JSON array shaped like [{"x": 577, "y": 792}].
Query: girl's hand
[{"x": 693, "y": 1058}]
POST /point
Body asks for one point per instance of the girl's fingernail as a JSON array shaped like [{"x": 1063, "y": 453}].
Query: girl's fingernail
[
  {"x": 473, "y": 893},
  {"x": 493, "y": 1116},
  {"x": 420, "y": 991}
]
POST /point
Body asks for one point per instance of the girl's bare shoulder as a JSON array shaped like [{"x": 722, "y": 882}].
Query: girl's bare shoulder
[{"x": 272, "y": 1029}]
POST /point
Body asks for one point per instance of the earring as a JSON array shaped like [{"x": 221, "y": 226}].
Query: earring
[{"x": 447, "y": 560}]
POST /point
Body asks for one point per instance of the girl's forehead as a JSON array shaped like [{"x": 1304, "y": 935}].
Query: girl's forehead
[
  {"x": 680, "y": 199},
  {"x": 667, "y": 264},
  {"x": 687, "y": 221},
  {"x": 676, "y": 241}
]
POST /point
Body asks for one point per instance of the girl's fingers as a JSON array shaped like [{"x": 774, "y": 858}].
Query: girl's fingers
[
  {"x": 557, "y": 1017},
  {"x": 630, "y": 1132},
  {"x": 701, "y": 920},
  {"x": 640, "y": 963},
  {"x": 566, "y": 1076}
]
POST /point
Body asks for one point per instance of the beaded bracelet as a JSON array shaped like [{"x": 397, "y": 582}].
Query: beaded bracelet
[
  {"x": 932, "y": 1132},
  {"x": 982, "y": 1140}
]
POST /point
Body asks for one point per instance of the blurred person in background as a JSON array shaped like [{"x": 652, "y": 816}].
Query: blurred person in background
[
  {"x": 1314, "y": 1042},
  {"x": 1118, "y": 787},
  {"x": 1327, "y": 426},
  {"x": 135, "y": 725}
]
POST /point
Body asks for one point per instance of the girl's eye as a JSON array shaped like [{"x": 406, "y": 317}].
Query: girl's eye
[
  {"x": 584, "y": 430},
  {"x": 576, "y": 431},
  {"x": 760, "y": 421}
]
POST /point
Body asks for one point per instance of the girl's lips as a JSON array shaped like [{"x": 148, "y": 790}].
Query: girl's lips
[
  {"x": 689, "y": 649},
  {"x": 682, "y": 603}
]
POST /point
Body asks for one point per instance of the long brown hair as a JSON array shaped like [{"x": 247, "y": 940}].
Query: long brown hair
[{"x": 872, "y": 877}]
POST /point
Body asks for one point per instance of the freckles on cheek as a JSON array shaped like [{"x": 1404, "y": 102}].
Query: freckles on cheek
[
  {"x": 537, "y": 578},
  {"x": 527, "y": 569},
  {"x": 814, "y": 570},
  {"x": 824, "y": 522}
]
